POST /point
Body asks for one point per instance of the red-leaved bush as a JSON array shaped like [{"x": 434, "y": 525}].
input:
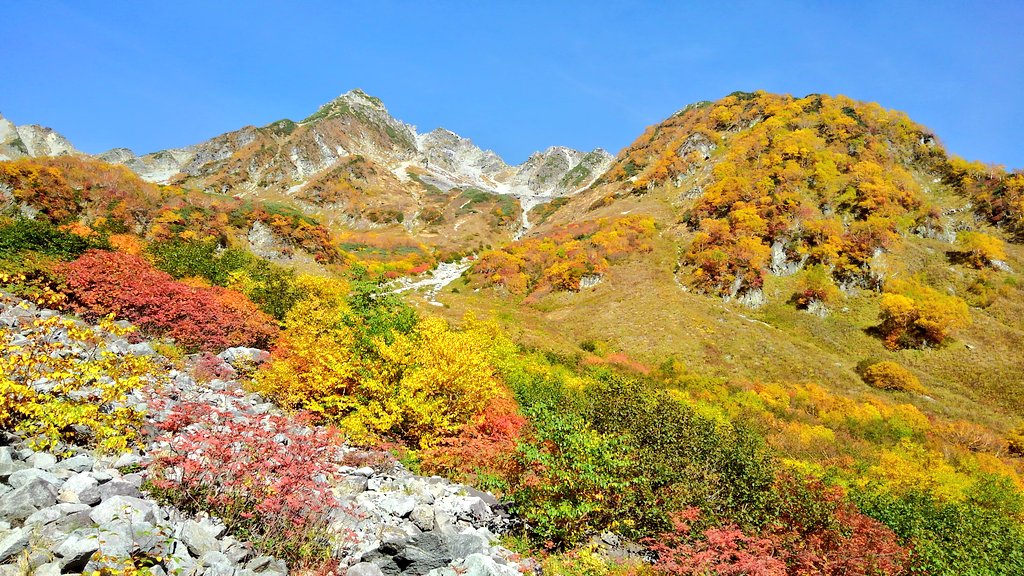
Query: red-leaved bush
[
  {"x": 198, "y": 318},
  {"x": 723, "y": 550},
  {"x": 265, "y": 475},
  {"x": 818, "y": 531},
  {"x": 482, "y": 449},
  {"x": 211, "y": 367}
]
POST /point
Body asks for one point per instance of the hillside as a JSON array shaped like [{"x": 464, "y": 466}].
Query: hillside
[{"x": 774, "y": 331}]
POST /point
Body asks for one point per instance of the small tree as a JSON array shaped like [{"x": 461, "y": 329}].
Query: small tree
[
  {"x": 914, "y": 316},
  {"x": 981, "y": 250}
]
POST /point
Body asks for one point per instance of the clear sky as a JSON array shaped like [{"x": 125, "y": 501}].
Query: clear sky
[{"x": 514, "y": 76}]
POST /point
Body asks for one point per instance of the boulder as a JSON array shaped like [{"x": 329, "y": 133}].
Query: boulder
[
  {"x": 42, "y": 461},
  {"x": 81, "y": 488},
  {"x": 13, "y": 542},
  {"x": 199, "y": 538},
  {"x": 76, "y": 551},
  {"x": 124, "y": 508},
  {"x": 24, "y": 500}
]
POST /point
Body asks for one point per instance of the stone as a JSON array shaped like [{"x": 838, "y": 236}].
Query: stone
[
  {"x": 135, "y": 479},
  {"x": 242, "y": 359},
  {"x": 469, "y": 508},
  {"x": 81, "y": 488},
  {"x": 365, "y": 471},
  {"x": 351, "y": 485},
  {"x": 124, "y": 508},
  {"x": 423, "y": 517},
  {"x": 13, "y": 543},
  {"x": 483, "y": 565},
  {"x": 365, "y": 569},
  {"x": 398, "y": 505},
  {"x": 141, "y": 349},
  {"x": 77, "y": 550},
  {"x": 80, "y": 463},
  {"x": 199, "y": 538},
  {"x": 23, "y": 501},
  {"x": 421, "y": 554},
  {"x": 277, "y": 567},
  {"x": 42, "y": 461},
  {"x": 237, "y": 551},
  {"x": 48, "y": 569},
  {"x": 129, "y": 459},
  {"x": 118, "y": 488},
  {"x": 22, "y": 477},
  {"x": 463, "y": 545},
  {"x": 53, "y": 513},
  {"x": 74, "y": 521},
  {"x": 258, "y": 563}
]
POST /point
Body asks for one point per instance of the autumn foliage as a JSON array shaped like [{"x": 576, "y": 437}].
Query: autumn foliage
[
  {"x": 889, "y": 375},
  {"x": 559, "y": 260},
  {"x": 86, "y": 403},
  {"x": 262, "y": 475},
  {"x": 914, "y": 315},
  {"x": 817, "y": 531},
  {"x": 363, "y": 361},
  {"x": 202, "y": 318},
  {"x": 826, "y": 180}
]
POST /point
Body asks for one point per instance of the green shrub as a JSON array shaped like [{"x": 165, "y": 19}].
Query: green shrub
[
  {"x": 271, "y": 287},
  {"x": 23, "y": 235},
  {"x": 979, "y": 536}
]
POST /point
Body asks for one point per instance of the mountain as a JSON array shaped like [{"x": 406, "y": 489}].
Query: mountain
[
  {"x": 31, "y": 141},
  {"x": 355, "y": 167},
  {"x": 782, "y": 225},
  {"x": 792, "y": 322},
  {"x": 287, "y": 156}
]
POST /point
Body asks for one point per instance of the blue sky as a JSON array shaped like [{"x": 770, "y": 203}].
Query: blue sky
[{"x": 513, "y": 76}]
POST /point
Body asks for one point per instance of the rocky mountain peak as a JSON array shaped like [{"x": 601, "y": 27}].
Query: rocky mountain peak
[
  {"x": 354, "y": 101},
  {"x": 31, "y": 140}
]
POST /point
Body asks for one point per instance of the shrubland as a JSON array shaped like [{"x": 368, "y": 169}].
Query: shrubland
[
  {"x": 60, "y": 385},
  {"x": 559, "y": 260}
]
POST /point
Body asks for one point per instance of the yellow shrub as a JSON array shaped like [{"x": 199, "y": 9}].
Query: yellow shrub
[
  {"x": 86, "y": 393},
  {"x": 910, "y": 467},
  {"x": 420, "y": 387},
  {"x": 914, "y": 315},
  {"x": 313, "y": 366},
  {"x": 981, "y": 250},
  {"x": 891, "y": 376},
  {"x": 431, "y": 384}
]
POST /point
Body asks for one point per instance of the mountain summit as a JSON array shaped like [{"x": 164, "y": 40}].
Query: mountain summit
[{"x": 287, "y": 156}]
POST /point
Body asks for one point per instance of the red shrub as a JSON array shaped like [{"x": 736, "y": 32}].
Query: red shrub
[
  {"x": 212, "y": 367},
  {"x": 264, "y": 475},
  {"x": 481, "y": 449},
  {"x": 723, "y": 550},
  {"x": 818, "y": 531},
  {"x": 214, "y": 318}
]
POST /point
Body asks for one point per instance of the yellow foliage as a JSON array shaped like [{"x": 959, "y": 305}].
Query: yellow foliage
[
  {"x": 127, "y": 243},
  {"x": 914, "y": 315},
  {"x": 431, "y": 384},
  {"x": 83, "y": 392},
  {"x": 313, "y": 366},
  {"x": 419, "y": 387},
  {"x": 891, "y": 376},
  {"x": 910, "y": 467},
  {"x": 982, "y": 250}
]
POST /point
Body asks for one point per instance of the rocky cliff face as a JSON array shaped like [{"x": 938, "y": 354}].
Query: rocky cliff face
[
  {"x": 31, "y": 141},
  {"x": 286, "y": 156}
]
